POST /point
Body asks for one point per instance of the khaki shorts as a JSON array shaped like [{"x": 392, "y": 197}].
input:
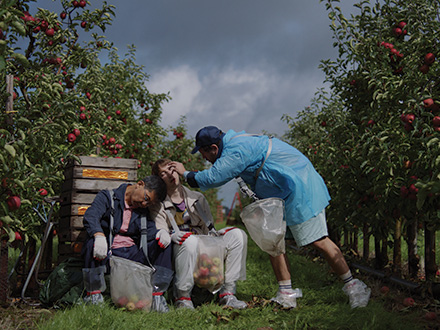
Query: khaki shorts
[{"x": 309, "y": 231}]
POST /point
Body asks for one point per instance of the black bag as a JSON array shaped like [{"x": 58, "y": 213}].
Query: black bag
[{"x": 65, "y": 284}]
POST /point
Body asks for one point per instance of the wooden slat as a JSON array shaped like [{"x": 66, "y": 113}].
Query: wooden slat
[
  {"x": 74, "y": 197},
  {"x": 100, "y": 173},
  {"x": 71, "y": 222},
  {"x": 72, "y": 235},
  {"x": 114, "y": 163},
  {"x": 90, "y": 185}
]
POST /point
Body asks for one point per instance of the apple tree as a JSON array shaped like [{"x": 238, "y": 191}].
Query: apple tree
[
  {"x": 62, "y": 102},
  {"x": 382, "y": 121}
]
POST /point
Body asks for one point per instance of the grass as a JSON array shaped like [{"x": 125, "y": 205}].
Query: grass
[{"x": 323, "y": 306}]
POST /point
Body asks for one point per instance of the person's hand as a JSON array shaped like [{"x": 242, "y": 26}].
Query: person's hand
[
  {"x": 163, "y": 238},
  {"x": 100, "y": 247},
  {"x": 213, "y": 232},
  {"x": 180, "y": 237},
  {"x": 225, "y": 230},
  {"x": 178, "y": 167}
]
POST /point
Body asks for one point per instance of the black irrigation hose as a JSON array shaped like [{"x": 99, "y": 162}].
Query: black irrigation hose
[{"x": 407, "y": 284}]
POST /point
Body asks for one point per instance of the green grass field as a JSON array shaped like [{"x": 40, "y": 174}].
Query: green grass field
[{"x": 323, "y": 306}]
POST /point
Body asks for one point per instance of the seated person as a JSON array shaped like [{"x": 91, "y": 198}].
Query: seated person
[
  {"x": 131, "y": 202},
  {"x": 193, "y": 216}
]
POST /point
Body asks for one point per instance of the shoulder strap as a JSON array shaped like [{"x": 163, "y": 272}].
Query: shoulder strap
[
  {"x": 112, "y": 214},
  {"x": 269, "y": 150}
]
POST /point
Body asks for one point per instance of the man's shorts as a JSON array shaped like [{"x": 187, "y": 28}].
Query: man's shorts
[{"x": 309, "y": 231}]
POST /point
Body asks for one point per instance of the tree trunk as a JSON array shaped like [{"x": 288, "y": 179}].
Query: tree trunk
[
  {"x": 397, "y": 251},
  {"x": 430, "y": 265},
  {"x": 413, "y": 258},
  {"x": 366, "y": 247},
  {"x": 3, "y": 271}
]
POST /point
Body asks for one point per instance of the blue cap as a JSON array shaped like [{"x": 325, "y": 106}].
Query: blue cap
[{"x": 206, "y": 136}]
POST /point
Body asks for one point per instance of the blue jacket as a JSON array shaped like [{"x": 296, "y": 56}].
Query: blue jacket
[
  {"x": 97, "y": 216},
  {"x": 286, "y": 174}
]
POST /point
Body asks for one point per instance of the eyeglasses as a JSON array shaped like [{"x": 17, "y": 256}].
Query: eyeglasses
[{"x": 146, "y": 197}]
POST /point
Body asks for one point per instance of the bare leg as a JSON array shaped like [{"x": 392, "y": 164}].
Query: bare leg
[
  {"x": 332, "y": 254},
  {"x": 280, "y": 267}
]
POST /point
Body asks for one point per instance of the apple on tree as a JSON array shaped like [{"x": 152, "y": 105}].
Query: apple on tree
[{"x": 13, "y": 202}]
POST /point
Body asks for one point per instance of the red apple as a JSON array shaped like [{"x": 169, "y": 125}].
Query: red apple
[
  {"x": 408, "y": 302},
  {"x": 71, "y": 137},
  {"x": 50, "y": 32},
  {"x": 428, "y": 103},
  {"x": 429, "y": 58},
  {"x": 122, "y": 301},
  {"x": 77, "y": 132},
  {"x": 409, "y": 118},
  {"x": 82, "y": 116},
  {"x": 397, "y": 31},
  {"x": 82, "y": 108},
  {"x": 75, "y": 4},
  {"x": 436, "y": 121},
  {"x": 82, "y": 3},
  {"x": 18, "y": 236},
  {"x": 118, "y": 112},
  {"x": 203, "y": 271},
  {"x": 431, "y": 316},
  {"x": 404, "y": 191},
  {"x": 13, "y": 202},
  {"x": 63, "y": 15},
  {"x": 43, "y": 192},
  {"x": 384, "y": 289},
  {"x": 148, "y": 121},
  {"x": 402, "y": 24},
  {"x": 83, "y": 24},
  {"x": 112, "y": 140},
  {"x": 424, "y": 68},
  {"x": 88, "y": 95}
]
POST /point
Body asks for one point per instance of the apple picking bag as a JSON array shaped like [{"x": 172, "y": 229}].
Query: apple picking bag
[
  {"x": 209, "y": 269},
  {"x": 264, "y": 220},
  {"x": 130, "y": 284},
  {"x": 130, "y": 281}
]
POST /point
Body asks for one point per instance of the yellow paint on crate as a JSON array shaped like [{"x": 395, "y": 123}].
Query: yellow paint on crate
[
  {"x": 82, "y": 210},
  {"x": 105, "y": 174}
]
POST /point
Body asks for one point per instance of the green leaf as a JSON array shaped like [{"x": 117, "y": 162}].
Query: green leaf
[
  {"x": 10, "y": 149},
  {"x": 6, "y": 219}
]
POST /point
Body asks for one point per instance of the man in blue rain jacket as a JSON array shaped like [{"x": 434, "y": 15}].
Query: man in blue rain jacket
[{"x": 273, "y": 168}]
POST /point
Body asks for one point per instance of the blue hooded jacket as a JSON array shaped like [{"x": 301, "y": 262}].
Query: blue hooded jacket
[{"x": 286, "y": 174}]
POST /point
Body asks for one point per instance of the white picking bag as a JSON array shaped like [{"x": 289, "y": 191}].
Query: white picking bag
[{"x": 264, "y": 220}]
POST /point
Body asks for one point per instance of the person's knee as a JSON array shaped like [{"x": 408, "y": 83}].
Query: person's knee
[
  {"x": 190, "y": 245},
  {"x": 237, "y": 236}
]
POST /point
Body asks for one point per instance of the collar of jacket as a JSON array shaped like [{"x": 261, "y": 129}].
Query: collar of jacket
[{"x": 188, "y": 195}]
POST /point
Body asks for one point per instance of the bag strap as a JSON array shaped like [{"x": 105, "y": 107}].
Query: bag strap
[
  {"x": 269, "y": 150},
  {"x": 144, "y": 243}
]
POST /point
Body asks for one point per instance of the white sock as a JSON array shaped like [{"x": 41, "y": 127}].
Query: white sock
[
  {"x": 285, "y": 285},
  {"x": 347, "y": 277}
]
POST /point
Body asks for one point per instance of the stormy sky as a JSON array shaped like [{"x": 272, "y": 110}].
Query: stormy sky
[{"x": 235, "y": 64}]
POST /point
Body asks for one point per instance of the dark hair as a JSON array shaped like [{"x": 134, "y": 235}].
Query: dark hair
[
  {"x": 156, "y": 184},
  {"x": 155, "y": 169}
]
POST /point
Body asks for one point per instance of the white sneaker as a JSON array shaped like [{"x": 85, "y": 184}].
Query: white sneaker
[
  {"x": 184, "y": 303},
  {"x": 232, "y": 301},
  {"x": 287, "y": 298},
  {"x": 358, "y": 293}
]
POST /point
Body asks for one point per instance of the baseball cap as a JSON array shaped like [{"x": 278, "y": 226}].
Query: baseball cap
[{"x": 206, "y": 136}]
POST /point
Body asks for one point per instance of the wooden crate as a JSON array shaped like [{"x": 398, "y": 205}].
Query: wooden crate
[{"x": 83, "y": 180}]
